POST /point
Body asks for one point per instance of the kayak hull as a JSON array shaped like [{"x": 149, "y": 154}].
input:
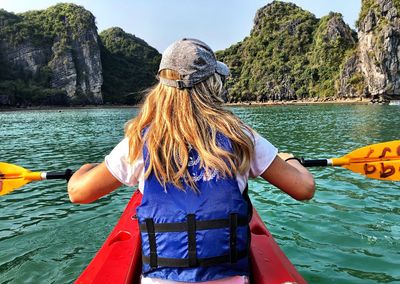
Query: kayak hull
[
  {"x": 269, "y": 264},
  {"x": 119, "y": 259}
]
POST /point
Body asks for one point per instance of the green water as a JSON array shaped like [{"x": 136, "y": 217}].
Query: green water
[{"x": 349, "y": 233}]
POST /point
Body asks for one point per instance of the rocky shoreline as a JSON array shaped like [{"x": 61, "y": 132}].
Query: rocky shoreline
[
  {"x": 357, "y": 101},
  {"x": 61, "y": 108},
  {"x": 304, "y": 102}
]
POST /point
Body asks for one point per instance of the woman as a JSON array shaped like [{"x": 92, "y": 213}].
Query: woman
[{"x": 191, "y": 159}]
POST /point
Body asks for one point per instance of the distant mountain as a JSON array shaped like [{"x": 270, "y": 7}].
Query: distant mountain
[
  {"x": 289, "y": 55},
  {"x": 129, "y": 66}
]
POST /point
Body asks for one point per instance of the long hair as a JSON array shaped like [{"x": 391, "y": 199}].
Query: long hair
[{"x": 177, "y": 119}]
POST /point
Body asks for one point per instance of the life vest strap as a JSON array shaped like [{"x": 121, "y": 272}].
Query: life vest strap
[
  {"x": 233, "y": 224},
  {"x": 200, "y": 225},
  {"x": 185, "y": 262},
  {"x": 152, "y": 242},
  {"x": 191, "y": 224}
]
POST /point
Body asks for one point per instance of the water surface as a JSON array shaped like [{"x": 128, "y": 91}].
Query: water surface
[{"x": 349, "y": 233}]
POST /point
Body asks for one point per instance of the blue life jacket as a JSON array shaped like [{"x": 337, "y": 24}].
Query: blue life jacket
[{"x": 194, "y": 237}]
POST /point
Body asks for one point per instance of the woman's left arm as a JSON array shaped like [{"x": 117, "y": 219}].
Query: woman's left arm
[{"x": 91, "y": 182}]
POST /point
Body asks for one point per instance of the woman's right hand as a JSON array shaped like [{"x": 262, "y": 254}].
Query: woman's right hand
[{"x": 285, "y": 156}]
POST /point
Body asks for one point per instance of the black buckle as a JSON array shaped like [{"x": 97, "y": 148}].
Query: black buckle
[{"x": 180, "y": 84}]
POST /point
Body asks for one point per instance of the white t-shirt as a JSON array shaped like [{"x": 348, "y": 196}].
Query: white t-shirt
[{"x": 117, "y": 163}]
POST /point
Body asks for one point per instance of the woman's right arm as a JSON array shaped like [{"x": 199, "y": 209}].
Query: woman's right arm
[{"x": 290, "y": 177}]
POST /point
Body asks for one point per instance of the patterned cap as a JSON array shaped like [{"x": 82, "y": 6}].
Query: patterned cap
[{"x": 193, "y": 60}]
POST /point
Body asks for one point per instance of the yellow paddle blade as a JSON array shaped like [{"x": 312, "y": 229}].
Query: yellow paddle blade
[
  {"x": 8, "y": 185},
  {"x": 378, "y": 161},
  {"x": 12, "y": 177}
]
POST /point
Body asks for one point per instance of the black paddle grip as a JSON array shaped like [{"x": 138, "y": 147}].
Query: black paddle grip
[
  {"x": 314, "y": 163},
  {"x": 60, "y": 175}
]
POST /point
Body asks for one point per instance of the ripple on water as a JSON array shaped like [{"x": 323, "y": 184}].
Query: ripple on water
[{"x": 349, "y": 233}]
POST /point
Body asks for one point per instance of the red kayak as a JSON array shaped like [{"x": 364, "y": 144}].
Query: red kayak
[{"x": 119, "y": 259}]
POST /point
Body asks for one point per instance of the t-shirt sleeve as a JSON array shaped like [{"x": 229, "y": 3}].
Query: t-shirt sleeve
[
  {"x": 117, "y": 163},
  {"x": 264, "y": 154}
]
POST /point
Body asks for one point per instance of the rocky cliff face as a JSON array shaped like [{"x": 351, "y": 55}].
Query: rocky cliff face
[
  {"x": 352, "y": 82},
  {"x": 57, "y": 48},
  {"x": 379, "y": 47},
  {"x": 333, "y": 40},
  {"x": 78, "y": 69},
  {"x": 26, "y": 56}
]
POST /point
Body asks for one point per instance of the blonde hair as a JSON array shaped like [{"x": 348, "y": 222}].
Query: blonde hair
[{"x": 181, "y": 118}]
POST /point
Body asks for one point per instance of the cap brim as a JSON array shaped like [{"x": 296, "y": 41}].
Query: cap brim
[{"x": 222, "y": 69}]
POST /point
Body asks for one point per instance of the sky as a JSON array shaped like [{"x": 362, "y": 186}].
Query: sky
[{"x": 219, "y": 23}]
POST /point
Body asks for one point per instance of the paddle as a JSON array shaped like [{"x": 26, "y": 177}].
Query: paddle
[
  {"x": 377, "y": 161},
  {"x": 13, "y": 177}
]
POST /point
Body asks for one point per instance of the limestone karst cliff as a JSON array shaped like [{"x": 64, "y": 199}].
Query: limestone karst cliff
[
  {"x": 56, "y": 48},
  {"x": 55, "y": 56},
  {"x": 379, "y": 47},
  {"x": 289, "y": 55}
]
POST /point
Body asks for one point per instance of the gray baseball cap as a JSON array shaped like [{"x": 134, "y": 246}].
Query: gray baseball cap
[{"x": 193, "y": 60}]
